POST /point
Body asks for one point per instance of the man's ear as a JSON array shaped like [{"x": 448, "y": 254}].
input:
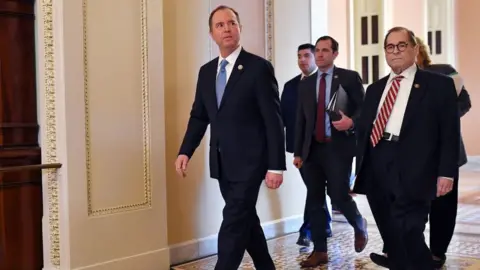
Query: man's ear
[{"x": 335, "y": 54}]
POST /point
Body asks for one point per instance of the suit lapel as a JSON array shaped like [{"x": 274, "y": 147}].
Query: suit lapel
[
  {"x": 311, "y": 85},
  {"x": 234, "y": 76},
  {"x": 212, "y": 73},
  {"x": 376, "y": 97},
  {"x": 335, "y": 82},
  {"x": 416, "y": 95}
]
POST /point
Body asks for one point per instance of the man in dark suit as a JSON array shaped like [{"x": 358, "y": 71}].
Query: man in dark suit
[
  {"x": 288, "y": 105},
  {"x": 443, "y": 211},
  {"x": 237, "y": 94},
  {"x": 408, "y": 141},
  {"x": 325, "y": 147}
]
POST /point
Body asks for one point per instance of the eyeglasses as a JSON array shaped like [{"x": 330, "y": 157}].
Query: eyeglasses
[{"x": 402, "y": 46}]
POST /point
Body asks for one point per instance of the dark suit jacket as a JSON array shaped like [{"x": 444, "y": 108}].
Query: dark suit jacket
[
  {"x": 429, "y": 137},
  {"x": 247, "y": 128},
  {"x": 288, "y": 105},
  {"x": 307, "y": 111},
  {"x": 463, "y": 102}
]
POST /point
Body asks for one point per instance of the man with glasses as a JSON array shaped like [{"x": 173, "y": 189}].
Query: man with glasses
[{"x": 407, "y": 152}]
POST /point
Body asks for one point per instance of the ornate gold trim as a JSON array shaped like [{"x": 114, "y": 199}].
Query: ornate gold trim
[
  {"x": 51, "y": 130},
  {"x": 147, "y": 202},
  {"x": 269, "y": 30}
]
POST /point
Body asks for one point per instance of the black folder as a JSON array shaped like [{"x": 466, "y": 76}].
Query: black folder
[{"x": 338, "y": 102}]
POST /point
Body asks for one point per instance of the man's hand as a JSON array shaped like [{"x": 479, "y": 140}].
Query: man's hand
[
  {"x": 297, "y": 162},
  {"x": 444, "y": 186},
  {"x": 273, "y": 180},
  {"x": 343, "y": 124},
  {"x": 181, "y": 165}
]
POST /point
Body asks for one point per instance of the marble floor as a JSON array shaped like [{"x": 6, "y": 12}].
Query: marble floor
[{"x": 463, "y": 253}]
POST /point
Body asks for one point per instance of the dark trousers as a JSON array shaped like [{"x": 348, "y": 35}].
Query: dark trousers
[
  {"x": 241, "y": 229},
  {"x": 400, "y": 220},
  {"x": 443, "y": 216},
  {"x": 350, "y": 181},
  {"x": 326, "y": 165},
  {"x": 305, "y": 228}
]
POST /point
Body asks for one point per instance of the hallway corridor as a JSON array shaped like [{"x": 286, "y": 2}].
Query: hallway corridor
[{"x": 463, "y": 254}]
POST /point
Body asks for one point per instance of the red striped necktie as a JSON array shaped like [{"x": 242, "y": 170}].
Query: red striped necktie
[{"x": 384, "y": 114}]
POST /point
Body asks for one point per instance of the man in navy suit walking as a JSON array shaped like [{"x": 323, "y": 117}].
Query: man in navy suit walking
[
  {"x": 288, "y": 105},
  {"x": 237, "y": 95}
]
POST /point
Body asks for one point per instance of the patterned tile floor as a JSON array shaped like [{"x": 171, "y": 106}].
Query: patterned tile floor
[{"x": 463, "y": 253}]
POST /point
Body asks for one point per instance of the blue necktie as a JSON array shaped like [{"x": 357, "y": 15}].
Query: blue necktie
[{"x": 221, "y": 81}]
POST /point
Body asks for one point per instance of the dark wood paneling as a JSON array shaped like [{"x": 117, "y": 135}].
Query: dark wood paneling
[
  {"x": 365, "y": 69},
  {"x": 438, "y": 42},
  {"x": 429, "y": 34},
  {"x": 364, "y": 30},
  {"x": 375, "y": 68},
  {"x": 375, "y": 33},
  {"x": 20, "y": 191},
  {"x": 18, "y": 104},
  {"x": 21, "y": 213}
]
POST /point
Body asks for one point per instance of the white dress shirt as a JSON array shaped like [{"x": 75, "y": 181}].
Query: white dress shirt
[
  {"x": 394, "y": 124},
  {"x": 231, "y": 59},
  {"x": 395, "y": 121}
]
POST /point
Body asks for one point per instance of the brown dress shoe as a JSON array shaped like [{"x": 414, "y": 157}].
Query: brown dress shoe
[
  {"x": 361, "y": 238},
  {"x": 315, "y": 259}
]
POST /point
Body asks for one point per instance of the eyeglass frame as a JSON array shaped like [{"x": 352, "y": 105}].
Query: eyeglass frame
[{"x": 390, "y": 48}]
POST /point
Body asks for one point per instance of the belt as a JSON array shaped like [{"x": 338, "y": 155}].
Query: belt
[{"x": 390, "y": 137}]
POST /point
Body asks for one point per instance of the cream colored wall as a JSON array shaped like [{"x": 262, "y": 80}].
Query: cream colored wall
[
  {"x": 102, "y": 216},
  {"x": 338, "y": 29},
  {"x": 409, "y": 13},
  {"x": 468, "y": 59},
  {"x": 101, "y": 93},
  {"x": 194, "y": 203}
]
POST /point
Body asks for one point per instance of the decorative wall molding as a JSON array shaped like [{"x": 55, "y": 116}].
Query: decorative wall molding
[
  {"x": 51, "y": 130},
  {"x": 147, "y": 200},
  {"x": 269, "y": 19}
]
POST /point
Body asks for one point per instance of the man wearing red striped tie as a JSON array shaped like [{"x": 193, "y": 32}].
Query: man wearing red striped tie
[{"x": 408, "y": 139}]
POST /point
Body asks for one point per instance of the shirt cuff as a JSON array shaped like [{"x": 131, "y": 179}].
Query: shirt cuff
[
  {"x": 449, "y": 178},
  {"x": 275, "y": 171}
]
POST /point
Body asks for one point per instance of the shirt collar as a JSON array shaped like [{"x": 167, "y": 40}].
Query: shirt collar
[
  {"x": 232, "y": 57},
  {"x": 313, "y": 72},
  {"x": 407, "y": 73},
  {"x": 328, "y": 72}
]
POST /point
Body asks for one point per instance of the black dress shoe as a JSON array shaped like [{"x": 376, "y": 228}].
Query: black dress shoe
[
  {"x": 379, "y": 259},
  {"x": 303, "y": 240}
]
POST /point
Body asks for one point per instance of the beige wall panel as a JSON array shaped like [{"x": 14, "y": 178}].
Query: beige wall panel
[
  {"x": 116, "y": 106},
  {"x": 127, "y": 228}
]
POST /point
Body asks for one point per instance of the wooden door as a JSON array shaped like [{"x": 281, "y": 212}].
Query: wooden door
[{"x": 20, "y": 190}]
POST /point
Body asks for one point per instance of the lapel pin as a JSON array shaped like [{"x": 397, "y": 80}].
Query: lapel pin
[
  {"x": 336, "y": 76},
  {"x": 240, "y": 67},
  {"x": 416, "y": 85}
]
